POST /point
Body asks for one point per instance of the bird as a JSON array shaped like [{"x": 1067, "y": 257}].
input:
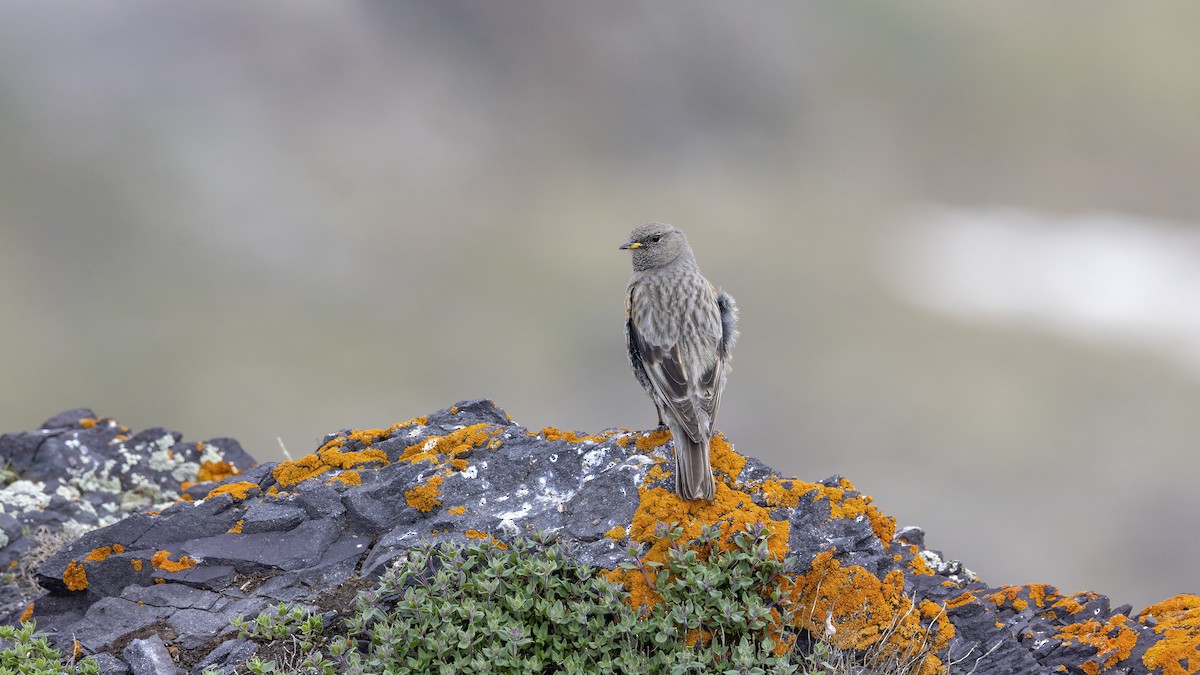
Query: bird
[{"x": 680, "y": 330}]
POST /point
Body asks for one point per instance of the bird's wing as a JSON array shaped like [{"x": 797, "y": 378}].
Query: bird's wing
[
  {"x": 692, "y": 404},
  {"x": 714, "y": 380}
]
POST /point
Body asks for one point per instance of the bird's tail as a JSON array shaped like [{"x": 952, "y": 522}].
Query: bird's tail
[{"x": 693, "y": 470}]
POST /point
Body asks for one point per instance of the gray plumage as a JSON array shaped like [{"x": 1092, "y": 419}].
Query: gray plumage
[{"x": 680, "y": 331}]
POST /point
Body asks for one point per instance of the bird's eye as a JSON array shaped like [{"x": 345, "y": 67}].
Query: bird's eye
[{"x": 655, "y": 238}]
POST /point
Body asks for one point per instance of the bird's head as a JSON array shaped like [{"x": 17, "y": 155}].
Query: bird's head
[{"x": 654, "y": 245}]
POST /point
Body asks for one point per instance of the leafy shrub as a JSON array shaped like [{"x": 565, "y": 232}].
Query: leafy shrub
[
  {"x": 26, "y": 653},
  {"x": 528, "y": 607}
]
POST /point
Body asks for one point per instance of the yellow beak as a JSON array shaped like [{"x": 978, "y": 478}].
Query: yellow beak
[{"x": 631, "y": 244}]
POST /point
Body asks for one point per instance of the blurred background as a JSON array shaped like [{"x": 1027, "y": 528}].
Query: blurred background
[{"x": 964, "y": 238}]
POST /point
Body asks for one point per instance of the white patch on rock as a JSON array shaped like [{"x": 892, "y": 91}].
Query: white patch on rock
[
  {"x": 23, "y": 495},
  {"x": 950, "y": 568},
  {"x": 90, "y": 481},
  {"x": 595, "y": 458},
  {"x": 161, "y": 460},
  {"x": 76, "y": 529},
  {"x": 211, "y": 453},
  {"x": 508, "y": 518},
  {"x": 188, "y": 471},
  {"x": 469, "y": 472},
  {"x": 69, "y": 493}
]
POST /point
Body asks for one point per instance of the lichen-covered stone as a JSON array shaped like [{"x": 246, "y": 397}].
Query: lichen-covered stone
[
  {"x": 295, "y": 531},
  {"x": 80, "y": 472}
]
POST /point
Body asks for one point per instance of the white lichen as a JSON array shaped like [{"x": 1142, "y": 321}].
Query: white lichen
[
  {"x": 187, "y": 471},
  {"x": 91, "y": 481},
  {"x": 508, "y": 518},
  {"x": 69, "y": 493},
  {"x": 162, "y": 460},
  {"x": 23, "y": 495},
  {"x": 211, "y": 453}
]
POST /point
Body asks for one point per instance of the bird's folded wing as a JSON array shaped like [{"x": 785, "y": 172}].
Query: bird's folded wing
[{"x": 692, "y": 404}]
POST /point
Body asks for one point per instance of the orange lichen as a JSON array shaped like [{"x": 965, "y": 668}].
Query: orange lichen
[
  {"x": 137, "y": 565},
  {"x": 724, "y": 458},
  {"x": 732, "y": 511},
  {"x": 495, "y": 443},
  {"x": 617, "y": 533},
  {"x": 425, "y": 497},
  {"x": 102, "y": 552},
  {"x": 459, "y": 464},
  {"x": 1113, "y": 640},
  {"x": 657, "y": 472},
  {"x": 552, "y": 434},
  {"x": 1177, "y": 651},
  {"x": 453, "y": 444},
  {"x": 77, "y": 650},
  {"x": 332, "y": 456},
  {"x": 74, "y": 577},
  {"x": 1042, "y": 593},
  {"x": 237, "y": 490},
  {"x": 216, "y": 471},
  {"x": 1070, "y": 606},
  {"x": 88, "y": 422},
  {"x": 1009, "y": 595},
  {"x": 236, "y": 529},
  {"x": 869, "y": 613},
  {"x": 866, "y": 611},
  {"x": 475, "y": 534},
  {"x": 651, "y": 440},
  {"x": 453, "y": 410},
  {"x": 787, "y": 494},
  {"x": 346, "y": 478},
  {"x": 456, "y": 510},
  {"x": 918, "y": 566},
  {"x": 883, "y": 526},
  {"x": 697, "y": 635},
  {"x": 162, "y": 560},
  {"x": 965, "y": 599},
  {"x": 27, "y": 614}
]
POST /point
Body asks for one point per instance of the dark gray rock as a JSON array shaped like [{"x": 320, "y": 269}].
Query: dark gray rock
[
  {"x": 268, "y": 517},
  {"x": 110, "y": 619},
  {"x": 79, "y": 472},
  {"x": 110, "y": 665},
  {"x": 149, "y": 656},
  {"x": 231, "y": 653},
  {"x": 310, "y": 529}
]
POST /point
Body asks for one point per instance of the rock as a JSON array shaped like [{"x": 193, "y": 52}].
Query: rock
[
  {"x": 164, "y": 585},
  {"x": 80, "y": 472},
  {"x": 149, "y": 656}
]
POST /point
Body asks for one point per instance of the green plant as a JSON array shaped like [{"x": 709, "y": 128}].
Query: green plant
[
  {"x": 26, "y": 653},
  {"x": 529, "y": 607},
  {"x": 295, "y": 635}
]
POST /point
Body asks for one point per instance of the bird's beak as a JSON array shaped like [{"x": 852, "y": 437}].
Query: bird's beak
[{"x": 630, "y": 245}]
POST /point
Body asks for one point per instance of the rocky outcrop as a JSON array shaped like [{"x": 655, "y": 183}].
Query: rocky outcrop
[{"x": 317, "y": 529}]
